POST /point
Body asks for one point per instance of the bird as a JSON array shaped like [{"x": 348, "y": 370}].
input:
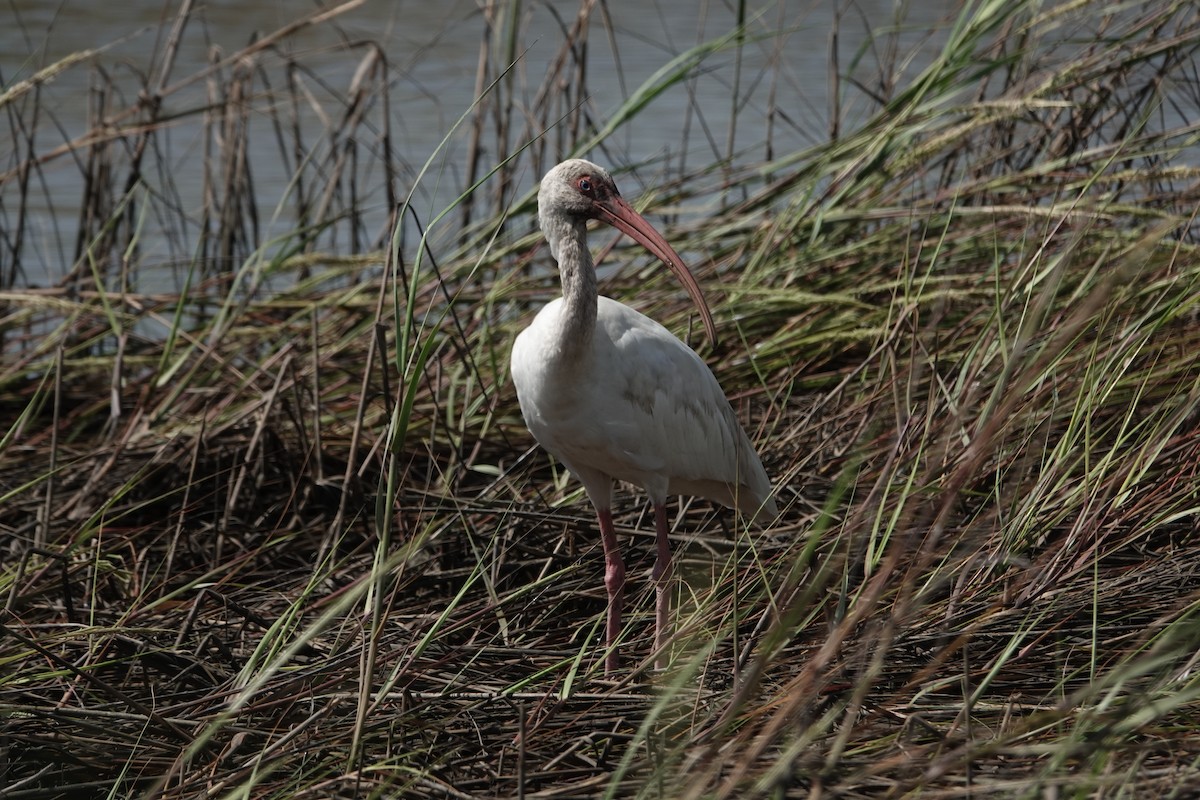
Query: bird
[{"x": 615, "y": 396}]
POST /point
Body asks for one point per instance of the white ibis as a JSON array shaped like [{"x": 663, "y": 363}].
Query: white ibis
[{"x": 614, "y": 395}]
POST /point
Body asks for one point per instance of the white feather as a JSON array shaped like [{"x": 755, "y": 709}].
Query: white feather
[{"x": 638, "y": 406}]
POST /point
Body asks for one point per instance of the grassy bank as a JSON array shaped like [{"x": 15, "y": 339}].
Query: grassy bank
[{"x": 282, "y": 533}]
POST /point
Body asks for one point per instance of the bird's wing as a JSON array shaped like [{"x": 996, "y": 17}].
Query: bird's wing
[{"x": 674, "y": 427}]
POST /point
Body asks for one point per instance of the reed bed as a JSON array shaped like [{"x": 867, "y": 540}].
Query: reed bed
[{"x": 280, "y": 532}]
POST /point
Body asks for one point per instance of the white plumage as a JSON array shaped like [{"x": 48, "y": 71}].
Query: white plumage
[{"x": 614, "y": 395}]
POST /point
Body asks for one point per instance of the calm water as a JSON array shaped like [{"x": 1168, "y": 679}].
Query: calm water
[{"x": 435, "y": 47}]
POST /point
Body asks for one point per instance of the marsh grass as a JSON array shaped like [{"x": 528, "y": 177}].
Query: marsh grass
[{"x": 281, "y": 533}]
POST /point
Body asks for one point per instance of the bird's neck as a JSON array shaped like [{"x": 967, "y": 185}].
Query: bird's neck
[{"x": 579, "y": 289}]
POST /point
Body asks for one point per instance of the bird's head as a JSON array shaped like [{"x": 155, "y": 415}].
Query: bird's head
[{"x": 578, "y": 190}]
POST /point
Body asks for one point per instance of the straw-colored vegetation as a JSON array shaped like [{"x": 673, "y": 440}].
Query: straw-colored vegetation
[{"x": 282, "y": 533}]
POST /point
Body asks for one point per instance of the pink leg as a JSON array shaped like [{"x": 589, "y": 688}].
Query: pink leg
[
  {"x": 662, "y": 587},
  {"x": 614, "y": 581}
]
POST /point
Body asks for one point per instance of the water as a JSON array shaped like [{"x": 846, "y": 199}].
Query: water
[{"x": 434, "y": 47}]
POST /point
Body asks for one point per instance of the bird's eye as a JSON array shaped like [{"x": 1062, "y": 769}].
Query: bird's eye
[{"x": 585, "y": 185}]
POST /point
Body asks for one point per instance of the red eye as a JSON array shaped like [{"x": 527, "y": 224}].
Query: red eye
[{"x": 585, "y": 185}]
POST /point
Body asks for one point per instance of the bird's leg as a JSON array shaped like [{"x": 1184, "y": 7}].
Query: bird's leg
[
  {"x": 662, "y": 586},
  {"x": 614, "y": 581}
]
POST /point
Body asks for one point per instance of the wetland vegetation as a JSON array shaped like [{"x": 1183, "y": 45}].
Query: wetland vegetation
[{"x": 280, "y": 531}]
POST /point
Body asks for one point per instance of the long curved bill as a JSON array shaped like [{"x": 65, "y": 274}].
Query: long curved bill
[{"x": 616, "y": 212}]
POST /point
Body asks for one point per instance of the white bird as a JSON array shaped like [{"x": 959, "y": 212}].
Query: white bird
[{"x": 614, "y": 395}]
